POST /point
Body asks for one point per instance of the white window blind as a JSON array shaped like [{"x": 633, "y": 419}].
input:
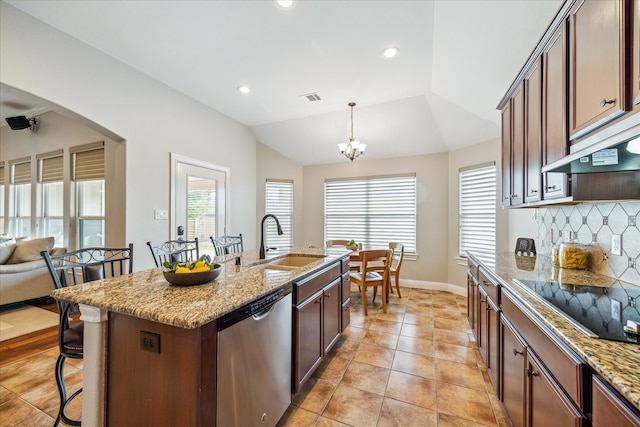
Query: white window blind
[
  {"x": 373, "y": 211},
  {"x": 2, "y": 176},
  {"x": 279, "y": 202},
  {"x": 477, "y": 212},
  {"x": 21, "y": 173}
]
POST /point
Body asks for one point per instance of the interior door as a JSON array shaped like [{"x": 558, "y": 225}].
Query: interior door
[{"x": 199, "y": 201}]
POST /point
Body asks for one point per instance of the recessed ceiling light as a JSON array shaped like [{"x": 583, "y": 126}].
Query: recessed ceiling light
[
  {"x": 285, "y": 3},
  {"x": 390, "y": 52},
  {"x": 243, "y": 89}
]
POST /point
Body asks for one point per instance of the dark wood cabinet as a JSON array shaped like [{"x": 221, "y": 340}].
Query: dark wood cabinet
[
  {"x": 635, "y": 54},
  {"x": 332, "y": 314},
  {"x": 506, "y": 155},
  {"x": 308, "y": 349},
  {"x": 346, "y": 296},
  {"x": 547, "y": 405},
  {"x": 517, "y": 146},
  {"x": 512, "y": 372},
  {"x": 609, "y": 409},
  {"x": 555, "y": 137},
  {"x": 533, "y": 134},
  {"x": 317, "y": 318},
  {"x": 597, "y": 64},
  {"x": 488, "y": 325}
]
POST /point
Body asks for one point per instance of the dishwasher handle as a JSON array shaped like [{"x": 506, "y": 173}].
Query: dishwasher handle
[{"x": 263, "y": 313}]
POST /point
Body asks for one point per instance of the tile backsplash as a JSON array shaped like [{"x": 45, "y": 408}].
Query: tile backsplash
[{"x": 595, "y": 224}]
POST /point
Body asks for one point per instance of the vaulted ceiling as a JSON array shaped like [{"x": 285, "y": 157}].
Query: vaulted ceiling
[{"x": 456, "y": 59}]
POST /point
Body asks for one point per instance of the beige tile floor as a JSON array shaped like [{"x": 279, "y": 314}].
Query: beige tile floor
[{"x": 416, "y": 365}]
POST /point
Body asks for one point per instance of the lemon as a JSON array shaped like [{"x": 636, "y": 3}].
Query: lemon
[{"x": 182, "y": 270}]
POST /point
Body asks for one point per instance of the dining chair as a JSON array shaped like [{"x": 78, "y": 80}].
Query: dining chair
[
  {"x": 70, "y": 269},
  {"x": 225, "y": 245},
  {"x": 396, "y": 265},
  {"x": 353, "y": 265},
  {"x": 174, "y": 250},
  {"x": 370, "y": 274}
]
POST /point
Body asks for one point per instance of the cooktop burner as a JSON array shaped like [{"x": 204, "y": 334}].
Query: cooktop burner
[{"x": 603, "y": 312}]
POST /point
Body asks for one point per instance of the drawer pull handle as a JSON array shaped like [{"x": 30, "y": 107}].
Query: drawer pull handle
[
  {"x": 531, "y": 373},
  {"x": 318, "y": 301},
  {"x": 486, "y": 283},
  {"x": 551, "y": 187},
  {"x": 605, "y": 102},
  {"x": 327, "y": 295},
  {"x": 534, "y": 191},
  {"x": 347, "y": 308},
  {"x": 516, "y": 352},
  {"x": 483, "y": 301}
]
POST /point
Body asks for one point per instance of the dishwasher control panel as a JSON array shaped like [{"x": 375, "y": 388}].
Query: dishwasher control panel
[{"x": 251, "y": 309}]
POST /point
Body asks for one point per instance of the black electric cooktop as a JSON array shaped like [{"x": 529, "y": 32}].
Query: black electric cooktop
[{"x": 598, "y": 311}]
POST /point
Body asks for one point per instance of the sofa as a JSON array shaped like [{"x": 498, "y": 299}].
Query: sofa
[{"x": 23, "y": 272}]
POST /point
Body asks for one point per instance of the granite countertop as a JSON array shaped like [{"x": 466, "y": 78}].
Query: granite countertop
[
  {"x": 147, "y": 295},
  {"x": 617, "y": 362}
]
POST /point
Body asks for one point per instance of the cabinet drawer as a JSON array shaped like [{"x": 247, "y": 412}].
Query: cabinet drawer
[
  {"x": 345, "y": 265},
  {"x": 567, "y": 368},
  {"x": 346, "y": 286},
  {"x": 489, "y": 286},
  {"x": 304, "y": 288},
  {"x": 346, "y": 313}
]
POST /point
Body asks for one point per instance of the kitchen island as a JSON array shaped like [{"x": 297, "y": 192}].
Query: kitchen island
[
  {"x": 171, "y": 380},
  {"x": 512, "y": 320}
]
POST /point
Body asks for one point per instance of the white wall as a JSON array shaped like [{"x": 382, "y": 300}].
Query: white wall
[
  {"x": 432, "y": 206},
  {"x": 154, "y": 120}
]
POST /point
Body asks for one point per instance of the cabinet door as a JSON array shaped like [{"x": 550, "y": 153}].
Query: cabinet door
[
  {"x": 555, "y": 140},
  {"x": 533, "y": 133},
  {"x": 609, "y": 409},
  {"x": 548, "y": 406},
  {"x": 493, "y": 343},
  {"x": 512, "y": 373},
  {"x": 308, "y": 338},
  {"x": 471, "y": 299},
  {"x": 597, "y": 64},
  {"x": 517, "y": 147},
  {"x": 346, "y": 314},
  {"x": 635, "y": 53},
  {"x": 332, "y": 312},
  {"x": 482, "y": 326},
  {"x": 506, "y": 155}
]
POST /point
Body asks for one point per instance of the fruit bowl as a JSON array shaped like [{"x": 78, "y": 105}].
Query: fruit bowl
[
  {"x": 192, "y": 279},
  {"x": 351, "y": 247}
]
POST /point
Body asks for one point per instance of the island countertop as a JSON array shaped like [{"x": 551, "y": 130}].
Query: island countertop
[
  {"x": 617, "y": 362},
  {"x": 147, "y": 295}
]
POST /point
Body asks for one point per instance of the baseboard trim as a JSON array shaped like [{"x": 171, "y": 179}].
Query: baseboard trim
[{"x": 434, "y": 286}]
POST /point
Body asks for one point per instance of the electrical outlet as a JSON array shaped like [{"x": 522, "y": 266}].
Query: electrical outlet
[
  {"x": 616, "y": 310},
  {"x": 616, "y": 244},
  {"x": 161, "y": 214},
  {"x": 568, "y": 235},
  {"x": 150, "y": 342}
]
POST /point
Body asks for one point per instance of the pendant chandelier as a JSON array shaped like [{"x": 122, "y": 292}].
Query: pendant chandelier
[{"x": 353, "y": 149}]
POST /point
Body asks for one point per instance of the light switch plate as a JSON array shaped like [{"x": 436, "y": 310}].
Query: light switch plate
[{"x": 161, "y": 214}]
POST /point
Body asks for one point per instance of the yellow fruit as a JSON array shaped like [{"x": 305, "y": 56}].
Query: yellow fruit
[
  {"x": 200, "y": 264},
  {"x": 182, "y": 270},
  {"x": 200, "y": 269}
]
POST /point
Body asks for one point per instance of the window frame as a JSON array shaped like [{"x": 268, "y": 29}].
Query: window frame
[
  {"x": 483, "y": 204},
  {"x": 385, "y": 207}
]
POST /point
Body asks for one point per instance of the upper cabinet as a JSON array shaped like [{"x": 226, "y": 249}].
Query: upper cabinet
[
  {"x": 597, "y": 64},
  {"x": 578, "y": 93},
  {"x": 635, "y": 53},
  {"x": 554, "y": 115}
]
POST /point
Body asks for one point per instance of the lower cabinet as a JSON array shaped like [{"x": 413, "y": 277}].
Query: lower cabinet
[
  {"x": 318, "y": 317},
  {"x": 609, "y": 409},
  {"x": 512, "y": 372},
  {"x": 488, "y": 314}
]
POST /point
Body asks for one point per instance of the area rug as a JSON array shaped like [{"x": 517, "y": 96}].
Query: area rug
[{"x": 20, "y": 319}]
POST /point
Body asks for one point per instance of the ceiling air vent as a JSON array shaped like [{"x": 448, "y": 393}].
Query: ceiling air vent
[{"x": 311, "y": 97}]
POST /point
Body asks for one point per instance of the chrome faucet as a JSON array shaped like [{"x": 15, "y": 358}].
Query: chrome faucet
[{"x": 262, "y": 251}]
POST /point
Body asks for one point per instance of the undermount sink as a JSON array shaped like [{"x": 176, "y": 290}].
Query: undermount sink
[{"x": 287, "y": 263}]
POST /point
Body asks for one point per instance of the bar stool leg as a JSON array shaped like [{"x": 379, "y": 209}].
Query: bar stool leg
[{"x": 62, "y": 389}]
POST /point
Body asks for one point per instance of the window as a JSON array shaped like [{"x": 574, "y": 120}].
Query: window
[
  {"x": 20, "y": 201},
  {"x": 51, "y": 180},
  {"x": 279, "y": 202},
  {"x": 477, "y": 212},
  {"x": 372, "y": 211},
  {"x": 88, "y": 175}
]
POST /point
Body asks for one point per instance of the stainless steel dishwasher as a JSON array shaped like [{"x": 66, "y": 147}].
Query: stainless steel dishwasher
[{"x": 254, "y": 362}]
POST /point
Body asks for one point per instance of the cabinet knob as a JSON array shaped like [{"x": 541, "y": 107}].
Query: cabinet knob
[
  {"x": 516, "y": 352},
  {"x": 605, "y": 102},
  {"x": 551, "y": 187},
  {"x": 534, "y": 191},
  {"x": 327, "y": 295},
  {"x": 514, "y": 196},
  {"x": 531, "y": 373}
]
